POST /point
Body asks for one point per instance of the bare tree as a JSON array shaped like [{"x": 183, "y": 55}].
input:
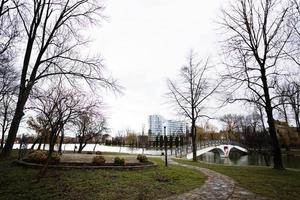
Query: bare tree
[
  {"x": 53, "y": 47},
  {"x": 290, "y": 96},
  {"x": 190, "y": 93},
  {"x": 257, "y": 35},
  {"x": 232, "y": 125},
  {"x": 8, "y": 84},
  {"x": 90, "y": 126},
  {"x": 8, "y": 75},
  {"x": 58, "y": 106},
  {"x": 40, "y": 125}
]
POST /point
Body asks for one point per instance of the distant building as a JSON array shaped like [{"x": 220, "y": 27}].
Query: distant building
[
  {"x": 155, "y": 124},
  {"x": 175, "y": 127}
]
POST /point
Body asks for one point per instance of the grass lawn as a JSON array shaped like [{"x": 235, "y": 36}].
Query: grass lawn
[
  {"x": 274, "y": 184},
  {"x": 18, "y": 183}
]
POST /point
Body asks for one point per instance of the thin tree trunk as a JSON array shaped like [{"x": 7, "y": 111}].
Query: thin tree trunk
[
  {"x": 34, "y": 143},
  {"x": 2, "y": 138},
  {"x": 44, "y": 140},
  {"x": 61, "y": 141},
  {"x": 194, "y": 141},
  {"x": 40, "y": 143},
  {"x": 14, "y": 127},
  {"x": 80, "y": 146},
  {"x": 4, "y": 126},
  {"x": 96, "y": 145}
]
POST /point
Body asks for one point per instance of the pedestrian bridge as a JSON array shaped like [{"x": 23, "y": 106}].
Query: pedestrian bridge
[{"x": 224, "y": 150}]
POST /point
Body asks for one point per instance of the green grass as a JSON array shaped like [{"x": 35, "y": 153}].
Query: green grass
[
  {"x": 268, "y": 182},
  {"x": 18, "y": 183}
]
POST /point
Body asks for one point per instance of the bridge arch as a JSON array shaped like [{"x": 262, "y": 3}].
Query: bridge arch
[{"x": 223, "y": 149}]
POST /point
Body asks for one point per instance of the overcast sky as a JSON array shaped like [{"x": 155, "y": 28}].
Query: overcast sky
[{"x": 146, "y": 41}]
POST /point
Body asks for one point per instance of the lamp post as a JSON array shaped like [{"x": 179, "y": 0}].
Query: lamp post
[{"x": 166, "y": 143}]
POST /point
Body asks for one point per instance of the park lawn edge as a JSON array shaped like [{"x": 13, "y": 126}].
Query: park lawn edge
[{"x": 265, "y": 181}]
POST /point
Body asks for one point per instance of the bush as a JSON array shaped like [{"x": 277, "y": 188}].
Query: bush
[
  {"x": 119, "y": 161},
  {"x": 37, "y": 156},
  {"x": 98, "y": 153},
  {"x": 40, "y": 156},
  {"x": 89, "y": 152},
  {"x": 99, "y": 160},
  {"x": 142, "y": 158},
  {"x": 55, "y": 157}
]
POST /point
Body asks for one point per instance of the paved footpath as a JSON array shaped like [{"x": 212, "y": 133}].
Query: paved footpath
[{"x": 216, "y": 186}]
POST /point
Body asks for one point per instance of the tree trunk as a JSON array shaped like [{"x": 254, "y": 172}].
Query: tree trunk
[
  {"x": 14, "y": 126},
  {"x": 269, "y": 110},
  {"x": 34, "y": 143},
  {"x": 4, "y": 126},
  {"x": 96, "y": 145},
  {"x": 2, "y": 139},
  {"x": 44, "y": 140},
  {"x": 275, "y": 144},
  {"x": 194, "y": 146},
  {"x": 40, "y": 143},
  {"x": 296, "y": 113},
  {"x": 80, "y": 148},
  {"x": 61, "y": 140}
]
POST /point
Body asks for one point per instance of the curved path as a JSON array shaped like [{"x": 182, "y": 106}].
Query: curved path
[{"x": 216, "y": 186}]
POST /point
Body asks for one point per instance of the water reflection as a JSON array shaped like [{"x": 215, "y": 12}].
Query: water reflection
[{"x": 236, "y": 158}]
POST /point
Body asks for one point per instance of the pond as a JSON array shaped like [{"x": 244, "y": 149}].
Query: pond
[{"x": 238, "y": 159}]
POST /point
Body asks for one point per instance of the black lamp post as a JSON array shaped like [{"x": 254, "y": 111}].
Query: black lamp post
[{"x": 166, "y": 143}]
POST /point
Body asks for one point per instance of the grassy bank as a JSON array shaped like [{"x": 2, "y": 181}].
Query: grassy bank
[
  {"x": 18, "y": 183},
  {"x": 265, "y": 181}
]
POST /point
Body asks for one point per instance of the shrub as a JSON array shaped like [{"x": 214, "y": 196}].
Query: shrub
[
  {"x": 89, "y": 152},
  {"x": 99, "y": 160},
  {"x": 40, "y": 156},
  {"x": 142, "y": 158},
  {"x": 98, "y": 153},
  {"x": 55, "y": 157},
  {"x": 119, "y": 161},
  {"x": 37, "y": 156}
]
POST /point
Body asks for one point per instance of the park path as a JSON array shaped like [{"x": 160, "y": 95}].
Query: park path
[{"x": 216, "y": 186}]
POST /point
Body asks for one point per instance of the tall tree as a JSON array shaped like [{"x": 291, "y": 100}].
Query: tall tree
[
  {"x": 8, "y": 77},
  {"x": 8, "y": 87},
  {"x": 191, "y": 93},
  {"x": 257, "y": 35},
  {"x": 52, "y": 32}
]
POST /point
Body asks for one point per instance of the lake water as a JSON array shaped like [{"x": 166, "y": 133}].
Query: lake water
[
  {"x": 291, "y": 161},
  {"x": 235, "y": 158},
  {"x": 104, "y": 148}
]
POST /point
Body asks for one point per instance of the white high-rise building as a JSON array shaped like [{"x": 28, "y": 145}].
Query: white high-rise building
[
  {"x": 156, "y": 124},
  {"x": 175, "y": 127}
]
